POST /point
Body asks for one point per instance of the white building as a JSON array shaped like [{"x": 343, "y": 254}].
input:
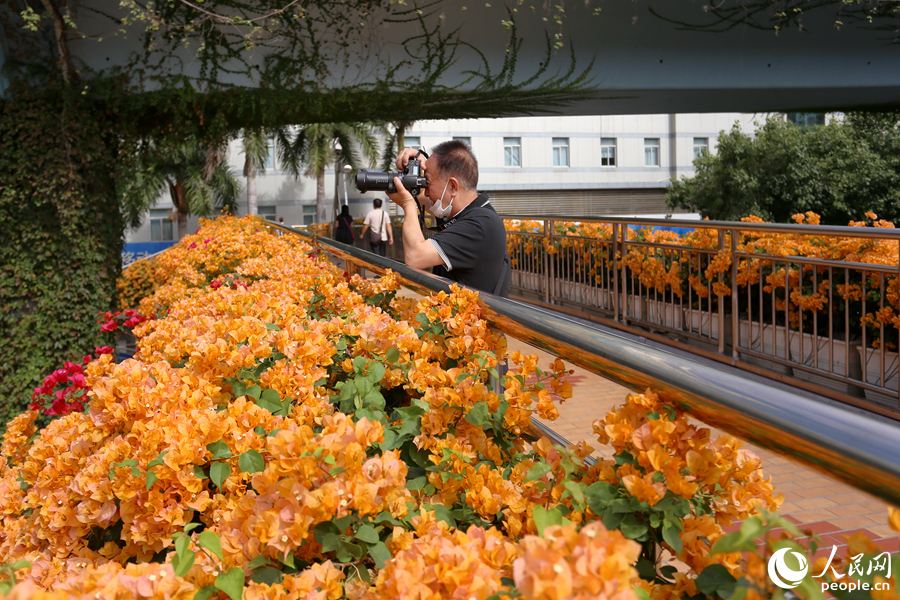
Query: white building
[{"x": 566, "y": 165}]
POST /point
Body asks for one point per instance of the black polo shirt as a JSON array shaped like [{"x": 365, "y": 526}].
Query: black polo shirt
[{"x": 472, "y": 246}]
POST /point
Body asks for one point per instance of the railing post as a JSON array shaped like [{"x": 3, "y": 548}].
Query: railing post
[
  {"x": 615, "y": 271},
  {"x": 548, "y": 232},
  {"x": 734, "y": 300},
  {"x": 720, "y": 299}
]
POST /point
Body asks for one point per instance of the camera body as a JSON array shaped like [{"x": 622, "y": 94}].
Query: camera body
[{"x": 412, "y": 179}]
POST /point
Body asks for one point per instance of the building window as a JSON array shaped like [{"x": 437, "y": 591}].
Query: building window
[
  {"x": 560, "y": 152},
  {"x": 464, "y": 139},
  {"x": 806, "y": 119},
  {"x": 651, "y": 152},
  {"x": 309, "y": 214},
  {"x": 512, "y": 152},
  {"x": 160, "y": 225},
  {"x": 607, "y": 152},
  {"x": 270, "y": 155},
  {"x": 701, "y": 146},
  {"x": 412, "y": 141},
  {"x": 267, "y": 212}
]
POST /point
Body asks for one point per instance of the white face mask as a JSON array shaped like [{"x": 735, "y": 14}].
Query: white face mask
[{"x": 439, "y": 210}]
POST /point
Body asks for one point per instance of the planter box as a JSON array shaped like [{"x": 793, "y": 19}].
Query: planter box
[
  {"x": 632, "y": 307},
  {"x": 871, "y": 366},
  {"x": 844, "y": 361},
  {"x": 664, "y": 314},
  {"x": 531, "y": 282},
  {"x": 579, "y": 293},
  {"x": 765, "y": 339},
  {"x": 706, "y": 325}
]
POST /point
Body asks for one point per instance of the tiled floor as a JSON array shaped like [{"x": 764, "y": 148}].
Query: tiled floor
[{"x": 813, "y": 500}]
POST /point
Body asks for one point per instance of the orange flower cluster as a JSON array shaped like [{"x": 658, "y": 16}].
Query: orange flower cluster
[
  {"x": 137, "y": 282},
  {"x": 288, "y": 431},
  {"x": 662, "y": 456}
]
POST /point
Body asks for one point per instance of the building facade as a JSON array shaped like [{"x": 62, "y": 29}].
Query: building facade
[{"x": 615, "y": 165}]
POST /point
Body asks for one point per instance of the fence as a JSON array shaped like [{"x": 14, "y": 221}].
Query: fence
[
  {"x": 858, "y": 448},
  {"x": 817, "y": 304}
]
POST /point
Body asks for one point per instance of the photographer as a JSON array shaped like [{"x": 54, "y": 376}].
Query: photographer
[{"x": 470, "y": 244}]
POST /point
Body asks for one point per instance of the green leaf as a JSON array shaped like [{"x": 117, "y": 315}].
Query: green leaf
[
  {"x": 442, "y": 513},
  {"x": 367, "y": 534},
  {"x": 715, "y": 580},
  {"x": 574, "y": 488},
  {"x": 151, "y": 479},
  {"x": 376, "y": 372},
  {"x": 251, "y": 461},
  {"x": 272, "y": 327},
  {"x": 391, "y": 356},
  {"x": 537, "y": 471},
  {"x": 330, "y": 542},
  {"x": 258, "y": 561},
  {"x": 239, "y": 388},
  {"x": 671, "y": 533},
  {"x": 158, "y": 460},
  {"x": 268, "y": 575},
  {"x": 198, "y": 472},
  {"x": 254, "y": 391},
  {"x": 206, "y": 592},
  {"x": 210, "y": 541},
  {"x": 479, "y": 414},
  {"x": 416, "y": 484},
  {"x": 641, "y": 593},
  {"x": 219, "y": 472},
  {"x": 183, "y": 561},
  {"x": 544, "y": 518},
  {"x": 742, "y": 540},
  {"x": 273, "y": 405},
  {"x": 633, "y": 528},
  {"x": 232, "y": 583},
  {"x": 380, "y": 554},
  {"x": 219, "y": 450}
]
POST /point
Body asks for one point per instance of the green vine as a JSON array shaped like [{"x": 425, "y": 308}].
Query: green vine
[{"x": 62, "y": 232}]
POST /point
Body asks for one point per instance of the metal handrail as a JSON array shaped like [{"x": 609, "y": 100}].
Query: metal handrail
[
  {"x": 858, "y": 448},
  {"x": 830, "y": 230}
]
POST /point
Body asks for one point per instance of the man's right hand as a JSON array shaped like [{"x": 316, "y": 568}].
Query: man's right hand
[{"x": 407, "y": 154}]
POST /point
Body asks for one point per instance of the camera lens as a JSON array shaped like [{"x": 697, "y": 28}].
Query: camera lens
[{"x": 375, "y": 180}]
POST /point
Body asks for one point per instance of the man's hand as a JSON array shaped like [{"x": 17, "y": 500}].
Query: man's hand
[
  {"x": 403, "y": 198},
  {"x": 407, "y": 154}
]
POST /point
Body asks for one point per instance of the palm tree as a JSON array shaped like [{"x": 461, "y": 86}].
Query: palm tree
[
  {"x": 256, "y": 150},
  {"x": 196, "y": 176},
  {"x": 394, "y": 143},
  {"x": 319, "y": 145}
]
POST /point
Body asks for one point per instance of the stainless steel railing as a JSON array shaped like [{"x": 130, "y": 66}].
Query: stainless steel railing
[
  {"x": 793, "y": 315},
  {"x": 859, "y": 448}
]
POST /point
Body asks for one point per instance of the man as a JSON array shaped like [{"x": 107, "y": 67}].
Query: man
[
  {"x": 470, "y": 246},
  {"x": 380, "y": 223}
]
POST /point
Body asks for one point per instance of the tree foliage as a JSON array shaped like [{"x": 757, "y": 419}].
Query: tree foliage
[{"x": 840, "y": 171}]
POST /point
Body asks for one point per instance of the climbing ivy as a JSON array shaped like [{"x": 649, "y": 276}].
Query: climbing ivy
[{"x": 62, "y": 235}]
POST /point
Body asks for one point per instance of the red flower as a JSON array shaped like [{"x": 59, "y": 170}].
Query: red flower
[
  {"x": 110, "y": 325},
  {"x": 216, "y": 284},
  {"x": 104, "y": 350}
]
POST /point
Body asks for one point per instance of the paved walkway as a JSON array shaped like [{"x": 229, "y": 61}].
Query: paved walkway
[{"x": 814, "y": 501}]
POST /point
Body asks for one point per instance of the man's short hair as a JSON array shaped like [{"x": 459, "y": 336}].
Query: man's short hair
[
  {"x": 455, "y": 159},
  {"x": 377, "y": 202}
]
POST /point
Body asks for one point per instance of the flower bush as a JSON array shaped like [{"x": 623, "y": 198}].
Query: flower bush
[
  {"x": 693, "y": 268},
  {"x": 294, "y": 432}
]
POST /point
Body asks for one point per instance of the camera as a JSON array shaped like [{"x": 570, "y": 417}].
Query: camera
[{"x": 412, "y": 179}]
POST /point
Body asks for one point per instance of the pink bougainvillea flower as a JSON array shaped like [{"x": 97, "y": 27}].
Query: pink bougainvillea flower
[{"x": 104, "y": 350}]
